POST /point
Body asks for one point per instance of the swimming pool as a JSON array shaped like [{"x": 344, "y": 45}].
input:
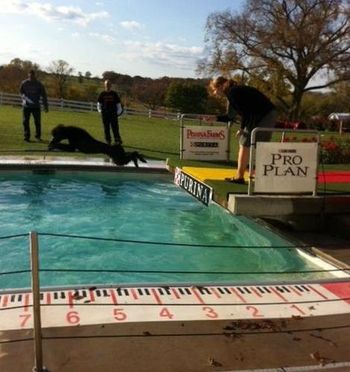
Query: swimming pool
[{"x": 118, "y": 228}]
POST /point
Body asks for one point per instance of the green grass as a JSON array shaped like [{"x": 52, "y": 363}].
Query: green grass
[{"x": 155, "y": 138}]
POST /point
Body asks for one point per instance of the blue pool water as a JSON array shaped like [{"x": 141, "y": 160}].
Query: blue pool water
[{"x": 130, "y": 209}]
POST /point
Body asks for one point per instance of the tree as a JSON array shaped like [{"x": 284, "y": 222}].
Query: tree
[
  {"x": 80, "y": 78},
  {"x": 60, "y": 71},
  {"x": 150, "y": 92},
  {"x": 13, "y": 73},
  {"x": 24, "y": 65},
  {"x": 186, "y": 97},
  {"x": 286, "y": 42},
  {"x": 123, "y": 83},
  {"x": 119, "y": 79}
]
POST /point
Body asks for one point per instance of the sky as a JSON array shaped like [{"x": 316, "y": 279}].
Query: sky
[{"x": 149, "y": 38}]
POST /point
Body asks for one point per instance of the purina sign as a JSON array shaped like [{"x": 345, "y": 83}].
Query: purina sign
[
  {"x": 199, "y": 190},
  {"x": 285, "y": 167},
  {"x": 205, "y": 142}
]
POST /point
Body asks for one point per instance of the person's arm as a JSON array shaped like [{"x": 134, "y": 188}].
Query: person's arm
[
  {"x": 119, "y": 109},
  {"x": 118, "y": 104},
  {"x": 223, "y": 118},
  {"x": 44, "y": 97},
  {"x": 23, "y": 94},
  {"x": 21, "y": 89},
  {"x": 99, "y": 103},
  {"x": 229, "y": 116}
]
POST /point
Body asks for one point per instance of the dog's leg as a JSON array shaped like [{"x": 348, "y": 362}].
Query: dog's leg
[
  {"x": 117, "y": 161},
  {"x": 141, "y": 158},
  {"x": 61, "y": 146},
  {"x": 136, "y": 156},
  {"x": 134, "y": 159}
]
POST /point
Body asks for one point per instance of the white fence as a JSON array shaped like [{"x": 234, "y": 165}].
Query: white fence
[{"x": 81, "y": 106}]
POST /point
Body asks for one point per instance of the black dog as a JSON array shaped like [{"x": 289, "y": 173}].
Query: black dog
[{"x": 79, "y": 139}]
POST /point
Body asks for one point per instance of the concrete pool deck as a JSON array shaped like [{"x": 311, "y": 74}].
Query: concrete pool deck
[
  {"x": 237, "y": 200},
  {"x": 304, "y": 339},
  {"x": 297, "y": 344},
  {"x": 11, "y": 162}
]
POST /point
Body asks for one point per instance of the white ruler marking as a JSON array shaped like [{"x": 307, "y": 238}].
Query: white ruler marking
[{"x": 143, "y": 304}]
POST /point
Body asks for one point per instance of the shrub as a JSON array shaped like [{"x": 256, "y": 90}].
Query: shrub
[
  {"x": 339, "y": 154},
  {"x": 318, "y": 122},
  {"x": 286, "y": 124},
  {"x": 332, "y": 150}
]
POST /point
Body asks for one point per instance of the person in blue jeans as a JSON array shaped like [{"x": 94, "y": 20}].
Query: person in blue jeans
[
  {"x": 255, "y": 110},
  {"x": 32, "y": 91},
  {"x": 109, "y": 105}
]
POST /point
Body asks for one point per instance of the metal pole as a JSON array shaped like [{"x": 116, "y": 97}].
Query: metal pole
[
  {"x": 181, "y": 135},
  {"x": 314, "y": 193},
  {"x": 251, "y": 160},
  {"x": 34, "y": 255},
  {"x": 283, "y": 136},
  {"x": 228, "y": 145}
]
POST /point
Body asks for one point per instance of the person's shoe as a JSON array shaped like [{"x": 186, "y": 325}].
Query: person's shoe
[
  {"x": 38, "y": 138},
  {"x": 27, "y": 139},
  {"x": 118, "y": 141},
  {"x": 239, "y": 181}
]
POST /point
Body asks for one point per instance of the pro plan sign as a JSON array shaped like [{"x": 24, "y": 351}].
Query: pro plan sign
[
  {"x": 199, "y": 190},
  {"x": 285, "y": 167},
  {"x": 205, "y": 142}
]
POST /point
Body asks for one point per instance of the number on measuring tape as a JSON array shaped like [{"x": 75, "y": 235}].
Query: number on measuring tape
[
  {"x": 297, "y": 308},
  {"x": 165, "y": 313},
  {"x": 73, "y": 317},
  {"x": 119, "y": 314},
  {"x": 254, "y": 311},
  {"x": 210, "y": 312},
  {"x": 24, "y": 319}
]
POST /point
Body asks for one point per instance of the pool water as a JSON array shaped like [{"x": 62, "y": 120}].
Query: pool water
[{"x": 131, "y": 210}]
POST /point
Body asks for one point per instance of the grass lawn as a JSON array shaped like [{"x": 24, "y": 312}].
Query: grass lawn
[{"x": 155, "y": 138}]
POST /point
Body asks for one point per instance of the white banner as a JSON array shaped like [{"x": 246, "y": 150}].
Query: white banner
[
  {"x": 285, "y": 167},
  {"x": 205, "y": 142}
]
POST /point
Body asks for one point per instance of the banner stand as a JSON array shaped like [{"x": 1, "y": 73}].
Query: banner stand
[
  {"x": 283, "y": 167},
  {"x": 206, "y": 142}
]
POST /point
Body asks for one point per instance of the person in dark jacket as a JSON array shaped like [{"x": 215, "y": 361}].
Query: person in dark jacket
[
  {"x": 109, "y": 105},
  {"x": 32, "y": 91},
  {"x": 255, "y": 110}
]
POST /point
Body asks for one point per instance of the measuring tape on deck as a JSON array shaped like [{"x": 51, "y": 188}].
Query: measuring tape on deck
[{"x": 174, "y": 303}]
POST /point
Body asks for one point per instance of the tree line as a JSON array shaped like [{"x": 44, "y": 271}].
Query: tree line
[
  {"x": 178, "y": 94},
  {"x": 185, "y": 95}
]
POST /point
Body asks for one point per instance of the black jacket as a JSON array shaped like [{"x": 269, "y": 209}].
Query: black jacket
[
  {"x": 249, "y": 103},
  {"x": 32, "y": 91}
]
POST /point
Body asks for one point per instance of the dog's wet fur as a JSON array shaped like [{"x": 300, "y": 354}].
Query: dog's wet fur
[{"x": 80, "y": 140}]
